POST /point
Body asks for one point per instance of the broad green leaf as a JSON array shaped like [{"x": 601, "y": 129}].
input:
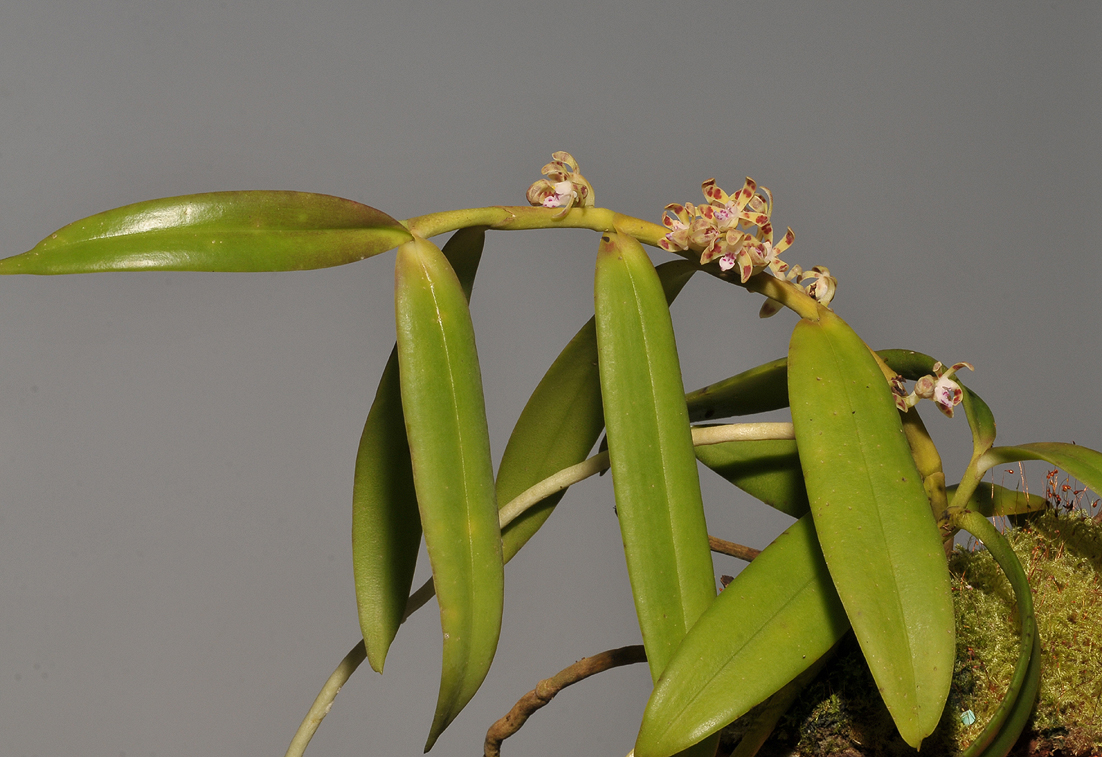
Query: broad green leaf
[
  {"x": 778, "y": 616},
  {"x": 757, "y": 390},
  {"x": 654, "y": 470},
  {"x": 909, "y": 364},
  {"x": 449, "y": 445},
  {"x": 1024, "y": 680},
  {"x": 992, "y": 500},
  {"x": 386, "y": 526},
  {"x": 873, "y": 519},
  {"x": 766, "y": 718},
  {"x": 1082, "y": 462},
  {"x": 216, "y": 231},
  {"x": 768, "y": 470},
  {"x": 561, "y": 421}
]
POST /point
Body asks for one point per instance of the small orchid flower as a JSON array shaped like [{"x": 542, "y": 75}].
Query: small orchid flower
[
  {"x": 939, "y": 387},
  {"x": 947, "y": 393},
  {"x": 564, "y": 186},
  {"x": 822, "y": 286},
  {"x": 678, "y": 220}
]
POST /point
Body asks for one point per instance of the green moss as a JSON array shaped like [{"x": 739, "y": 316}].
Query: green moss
[{"x": 841, "y": 712}]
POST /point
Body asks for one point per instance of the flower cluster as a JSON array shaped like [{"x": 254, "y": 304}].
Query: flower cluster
[
  {"x": 939, "y": 387},
  {"x": 737, "y": 230},
  {"x": 734, "y": 228},
  {"x": 564, "y": 186}
]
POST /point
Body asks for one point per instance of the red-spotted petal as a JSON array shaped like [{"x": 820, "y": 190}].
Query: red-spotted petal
[
  {"x": 714, "y": 194},
  {"x": 786, "y": 242}
]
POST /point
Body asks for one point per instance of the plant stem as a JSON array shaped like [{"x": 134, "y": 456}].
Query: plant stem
[
  {"x": 524, "y": 217},
  {"x": 324, "y": 701}
]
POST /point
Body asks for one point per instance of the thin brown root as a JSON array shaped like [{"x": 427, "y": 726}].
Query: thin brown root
[
  {"x": 546, "y": 690},
  {"x": 732, "y": 549}
]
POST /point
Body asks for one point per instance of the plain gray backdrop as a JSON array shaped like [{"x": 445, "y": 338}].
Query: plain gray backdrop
[{"x": 176, "y": 449}]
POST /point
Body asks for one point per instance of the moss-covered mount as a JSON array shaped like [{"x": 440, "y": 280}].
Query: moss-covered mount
[{"x": 840, "y": 713}]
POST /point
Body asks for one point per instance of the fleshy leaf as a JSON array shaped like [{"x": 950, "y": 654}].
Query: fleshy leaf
[
  {"x": 561, "y": 421},
  {"x": 1082, "y": 462},
  {"x": 449, "y": 446},
  {"x": 778, "y": 616},
  {"x": 992, "y": 500},
  {"x": 756, "y": 390},
  {"x": 386, "y": 526},
  {"x": 654, "y": 470},
  {"x": 873, "y": 519},
  {"x": 980, "y": 421},
  {"x": 217, "y": 231},
  {"x": 909, "y": 364},
  {"x": 768, "y": 470},
  {"x": 1022, "y": 689}
]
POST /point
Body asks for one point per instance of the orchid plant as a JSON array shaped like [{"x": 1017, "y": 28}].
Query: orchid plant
[{"x": 856, "y": 468}]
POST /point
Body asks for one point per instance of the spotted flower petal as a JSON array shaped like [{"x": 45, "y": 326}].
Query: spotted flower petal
[{"x": 947, "y": 395}]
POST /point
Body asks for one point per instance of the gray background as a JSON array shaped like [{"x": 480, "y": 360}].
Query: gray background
[{"x": 176, "y": 449}]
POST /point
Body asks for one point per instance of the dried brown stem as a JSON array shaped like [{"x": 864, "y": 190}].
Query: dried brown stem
[
  {"x": 732, "y": 549},
  {"x": 546, "y": 690}
]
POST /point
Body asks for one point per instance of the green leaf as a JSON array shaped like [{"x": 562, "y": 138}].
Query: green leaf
[
  {"x": 765, "y": 720},
  {"x": 1022, "y": 689},
  {"x": 449, "y": 445},
  {"x": 980, "y": 421},
  {"x": 874, "y": 522},
  {"x": 1082, "y": 462},
  {"x": 991, "y": 500},
  {"x": 909, "y": 364},
  {"x": 765, "y": 387},
  {"x": 776, "y": 619},
  {"x": 561, "y": 421},
  {"x": 217, "y": 231},
  {"x": 386, "y": 526},
  {"x": 768, "y": 470},
  {"x": 654, "y": 470},
  {"x": 1019, "y": 712},
  {"x": 757, "y": 390}
]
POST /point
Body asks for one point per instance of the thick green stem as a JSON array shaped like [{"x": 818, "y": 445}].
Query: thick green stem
[
  {"x": 517, "y": 217},
  {"x": 784, "y": 292},
  {"x": 524, "y": 217},
  {"x": 969, "y": 480}
]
